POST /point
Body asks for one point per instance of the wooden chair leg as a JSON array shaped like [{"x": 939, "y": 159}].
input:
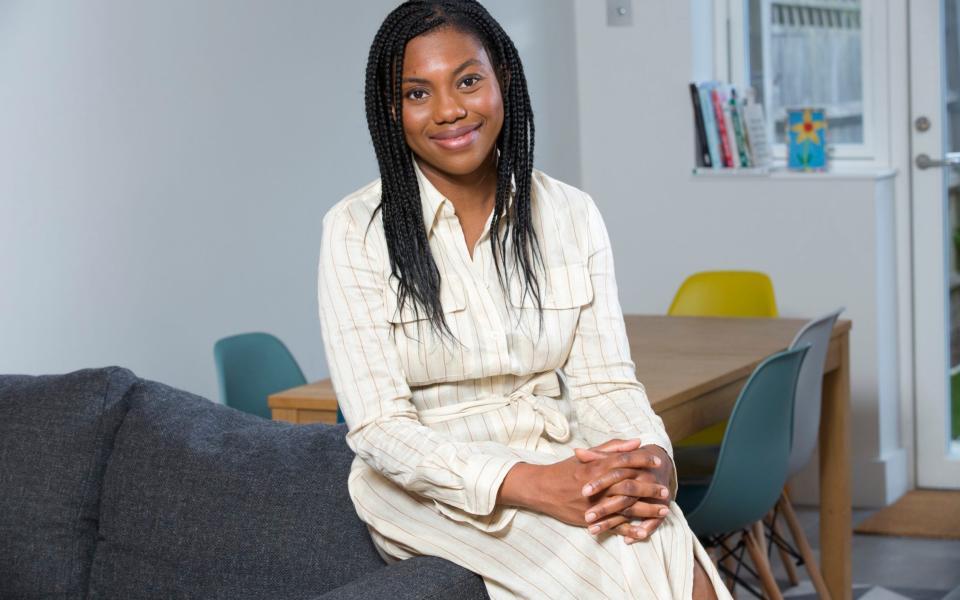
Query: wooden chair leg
[
  {"x": 785, "y": 557},
  {"x": 760, "y": 536},
  {"x": 730, "y": 564},
  {"x": 800, "y": 539},
  {"x": 770, "y": 588}
]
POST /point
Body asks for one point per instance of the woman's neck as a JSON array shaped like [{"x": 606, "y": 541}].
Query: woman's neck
[{"x": 471, "y": 193}]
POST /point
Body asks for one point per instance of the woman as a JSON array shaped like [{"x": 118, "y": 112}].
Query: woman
[{"x": 455, "y": 293}]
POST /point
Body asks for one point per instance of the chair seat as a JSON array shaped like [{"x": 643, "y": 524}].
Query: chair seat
[
  {"x": 695, "y": 462},
  {"x": 689, "y": 495}
]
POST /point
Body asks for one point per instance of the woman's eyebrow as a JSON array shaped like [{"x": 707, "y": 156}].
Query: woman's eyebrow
[{"x": 466, "y": 63}]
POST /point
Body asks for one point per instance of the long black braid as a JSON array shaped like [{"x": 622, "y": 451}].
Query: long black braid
[{"x": 411, "y": 261}]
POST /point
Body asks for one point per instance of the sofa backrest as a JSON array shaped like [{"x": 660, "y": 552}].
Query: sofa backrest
[
  {"x": 201, "y": 500},
  {"x": 56, "y": 433}
]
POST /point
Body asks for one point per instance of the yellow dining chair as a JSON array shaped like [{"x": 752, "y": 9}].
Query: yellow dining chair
[
  {"x": 725, "y": 294},
  {"x": 722, "y": 294}
]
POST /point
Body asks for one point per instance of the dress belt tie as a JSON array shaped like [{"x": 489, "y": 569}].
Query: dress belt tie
[{"x": 555, "y": 424}]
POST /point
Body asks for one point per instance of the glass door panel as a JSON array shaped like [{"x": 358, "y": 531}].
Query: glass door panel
[{"x": 935, "y": 185}]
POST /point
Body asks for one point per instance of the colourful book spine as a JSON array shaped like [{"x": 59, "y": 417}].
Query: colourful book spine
[
  {"x": 738, "y": 129},
  {"x": 710, "y": 124},
  {"x": 721, "y": 128}
]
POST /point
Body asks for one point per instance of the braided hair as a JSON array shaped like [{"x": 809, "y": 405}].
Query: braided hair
[{"x": 411, "y": 260}]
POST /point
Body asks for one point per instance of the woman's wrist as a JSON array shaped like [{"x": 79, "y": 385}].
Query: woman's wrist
[{"x": 519, "y": 487}]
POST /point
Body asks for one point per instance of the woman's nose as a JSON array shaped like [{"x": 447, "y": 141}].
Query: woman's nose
[{"x": 449, "y": 108}]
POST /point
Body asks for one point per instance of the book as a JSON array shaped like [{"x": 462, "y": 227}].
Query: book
[
  {"x": 728, "y": 127},
  {"x": 703, "y": 149},
  {"x": 724, "y": 142},
  {"x": 755, "y": 122},
  {"x": 738, "y": 133},
  {"x": 710, "y": 124}
]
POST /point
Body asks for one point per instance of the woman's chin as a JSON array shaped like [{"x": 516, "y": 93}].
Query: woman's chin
[{"x": 459, "y": 166}]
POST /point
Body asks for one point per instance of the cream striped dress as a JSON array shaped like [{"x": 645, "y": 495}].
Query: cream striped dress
[{"x": 437, "y": 424}]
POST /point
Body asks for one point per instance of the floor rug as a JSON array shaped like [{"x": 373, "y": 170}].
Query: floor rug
[{"x": 919, "y": 513}]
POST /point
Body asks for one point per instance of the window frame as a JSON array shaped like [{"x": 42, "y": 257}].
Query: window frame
[{"x": 731, "y": 40}]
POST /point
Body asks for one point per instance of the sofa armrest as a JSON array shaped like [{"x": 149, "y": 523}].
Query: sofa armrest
[{"x": 419, "y": 578}]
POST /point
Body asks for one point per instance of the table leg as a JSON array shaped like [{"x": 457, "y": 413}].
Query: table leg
[{"x": 836, "y": 522}]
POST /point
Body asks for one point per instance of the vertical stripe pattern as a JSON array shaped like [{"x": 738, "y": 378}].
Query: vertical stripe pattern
[{"x": 436, "y": 425}]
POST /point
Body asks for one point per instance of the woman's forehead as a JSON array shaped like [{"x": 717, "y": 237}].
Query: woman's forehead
[{"x": 440, "y": 52}]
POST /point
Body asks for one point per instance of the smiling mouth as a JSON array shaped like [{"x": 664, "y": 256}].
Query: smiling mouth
[{"x": 456, "y": 139}]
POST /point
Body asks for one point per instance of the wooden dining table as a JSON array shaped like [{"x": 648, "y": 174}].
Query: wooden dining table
[{"x": 693, "y": 369}]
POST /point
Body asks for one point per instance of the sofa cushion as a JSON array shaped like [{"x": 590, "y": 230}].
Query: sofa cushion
[
  {"x": 419, "y": 578},
  {"x": 203, "y": 501},
  {"x": 56, "y": 432}
]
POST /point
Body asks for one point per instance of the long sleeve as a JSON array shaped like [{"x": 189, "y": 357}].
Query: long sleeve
[
  {"x": 384, "y": 429},
  {"x": 599, "y": 373}
]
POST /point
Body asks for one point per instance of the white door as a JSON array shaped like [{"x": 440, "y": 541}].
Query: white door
[{"x": 935, "y": 181}]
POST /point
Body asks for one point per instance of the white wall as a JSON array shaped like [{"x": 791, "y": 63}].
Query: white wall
[
  {"x": 164, "y": 167},
  {"x": 826, "y": 242}
]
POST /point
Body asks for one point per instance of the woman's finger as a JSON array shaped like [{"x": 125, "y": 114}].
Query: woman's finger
[
  {"x": 585, "y": 455},
  {"x": 645, "y": 510},
  {"x": 607, "y": 524},
  {"x": 629, "y": 533},
  {"x": 639, "y": 489},
  {"x": 606, "y": 480},
  {"x": 621, "y": 465},
  {"x": 634, "y": 533},
  {"x": 604, "y": 449},
  {"x": 649, "y": 526},
  {"x": 608, "y": 506}
]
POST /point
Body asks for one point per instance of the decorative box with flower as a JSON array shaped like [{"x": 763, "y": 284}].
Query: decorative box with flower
[{"x": 807, "y": 139}]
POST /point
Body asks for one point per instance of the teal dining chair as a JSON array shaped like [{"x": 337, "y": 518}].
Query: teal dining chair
[
  {"x": 750, "y": 472},
  {"x": 696, "y": 464},
  {"x": 250, "y": 367}
]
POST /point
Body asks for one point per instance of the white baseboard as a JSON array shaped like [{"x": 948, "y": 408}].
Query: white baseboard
[{"x": 877, "y": 482}]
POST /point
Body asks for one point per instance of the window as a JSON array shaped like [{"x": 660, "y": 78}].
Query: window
[{"x": 806, "y": 53}]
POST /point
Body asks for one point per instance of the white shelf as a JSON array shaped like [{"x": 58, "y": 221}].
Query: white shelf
[{"x": 784, "y": 173}]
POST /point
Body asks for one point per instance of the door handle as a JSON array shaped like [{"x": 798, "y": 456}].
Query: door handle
[{"x": 950, "y": 159}]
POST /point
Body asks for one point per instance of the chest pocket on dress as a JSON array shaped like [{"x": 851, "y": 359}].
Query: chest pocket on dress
[
  {"x": 565, "y": 287},
  {"x": 426, "y": 355},
  {"x": 565, "y": 290}
]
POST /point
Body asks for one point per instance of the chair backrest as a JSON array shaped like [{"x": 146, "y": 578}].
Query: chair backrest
[
  {"x": 806, "y": 417},
  {"x": 250, "y": 367},
  {"x": 752, "y": 465},
  {"x": 725, "y": 294}
]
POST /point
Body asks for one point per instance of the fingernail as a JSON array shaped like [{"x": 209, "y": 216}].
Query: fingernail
[
  {"x": 594, "y": 528},
  {"x": 664, "y": 493},
  {"x": 591, "y": 516},
  {"x": 586, "y": 490},
  {"x": 664, "y": 512},
  {"x": 656, "y": 461},
  {"x": 639, "y": 533},
  {"x": 628, "y": 541}
]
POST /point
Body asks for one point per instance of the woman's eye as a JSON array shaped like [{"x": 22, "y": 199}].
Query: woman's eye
[
  {"x": 470, "y": 81},
  {"x": 416, "y": 94}
]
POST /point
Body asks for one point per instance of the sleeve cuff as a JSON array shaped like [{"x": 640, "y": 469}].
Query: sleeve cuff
[{"x": 483, "y": 480}]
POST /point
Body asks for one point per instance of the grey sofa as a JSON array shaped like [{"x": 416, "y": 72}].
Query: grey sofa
[{"x": 112, "y": 486}]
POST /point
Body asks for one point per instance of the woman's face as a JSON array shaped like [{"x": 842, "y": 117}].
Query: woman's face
[{"x": 452, "y": 106}]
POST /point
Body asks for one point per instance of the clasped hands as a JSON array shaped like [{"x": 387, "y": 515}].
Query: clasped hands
[
  {"x": 633, "y": 485},
  {"x": 602, "y": 488}
]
